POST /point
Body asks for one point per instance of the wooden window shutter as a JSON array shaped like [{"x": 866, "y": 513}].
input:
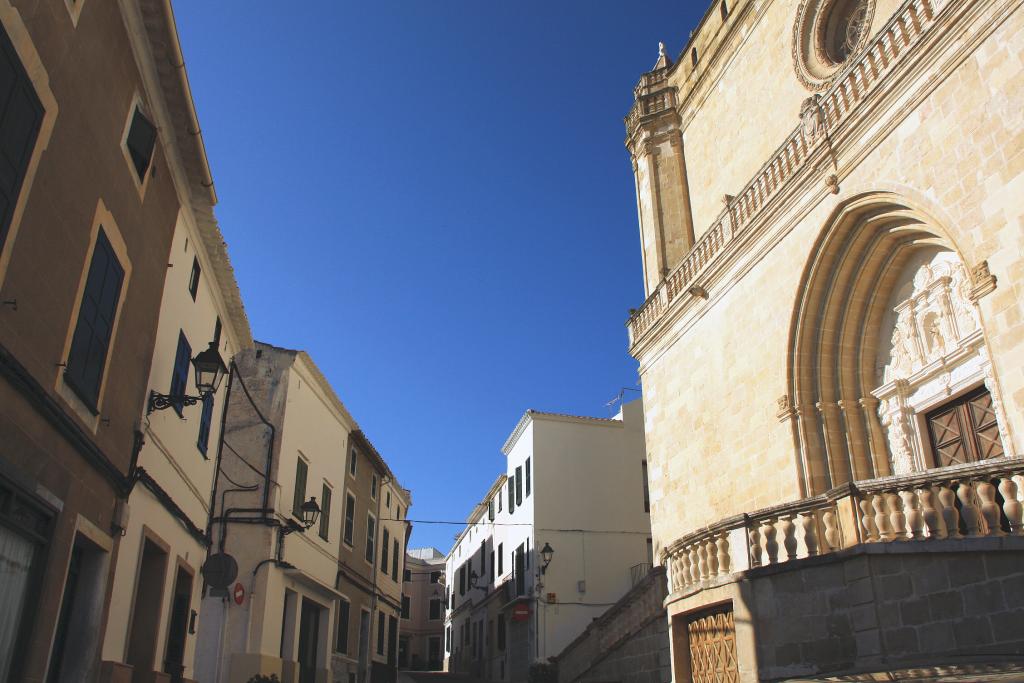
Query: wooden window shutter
[
  {"x": 299, "y": 497},
  {"x": 179, "y": 375},
  {"x": 205, "y": 418},
  {"x": 91, "y": 340},
  {"x": 325, "y": 513},
  {"x": 20, "y": 117},
  {"x": 519, "y": 485}
]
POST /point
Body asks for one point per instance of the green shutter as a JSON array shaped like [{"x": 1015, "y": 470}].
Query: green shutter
[{"x": 301, "y": 471}]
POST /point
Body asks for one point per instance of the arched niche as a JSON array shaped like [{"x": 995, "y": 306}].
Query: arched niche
[{"x": 885, "y": 337}]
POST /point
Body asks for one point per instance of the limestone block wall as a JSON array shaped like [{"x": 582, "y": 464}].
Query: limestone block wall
[
  {"x": 949, "y": 143},
  {"x": 946, "y": 604}
]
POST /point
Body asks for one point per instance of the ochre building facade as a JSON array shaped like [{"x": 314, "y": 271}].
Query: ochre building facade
[{"x": 831, "y": 348}]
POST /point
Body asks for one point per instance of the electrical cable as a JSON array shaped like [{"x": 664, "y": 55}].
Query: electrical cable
[{"x": 579, "y": 531}]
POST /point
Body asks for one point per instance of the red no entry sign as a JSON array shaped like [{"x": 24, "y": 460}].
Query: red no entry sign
[
  {"x": 520, "y": 612},
  {"x": 239, "y": 593}
]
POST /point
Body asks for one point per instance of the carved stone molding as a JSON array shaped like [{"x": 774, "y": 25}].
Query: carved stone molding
[
  {"x": 784, "y": 406},
  {"x": 984, "y": 281}
]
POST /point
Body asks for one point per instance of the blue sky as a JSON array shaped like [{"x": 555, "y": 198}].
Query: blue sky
[{"x": 433, "y": 199}]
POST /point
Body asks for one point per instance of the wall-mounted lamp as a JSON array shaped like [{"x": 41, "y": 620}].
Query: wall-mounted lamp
[
  {"x": 546, "y": 553},
  {"x": 310, "y": 512},
  {"x": 473, "y": 578},
  {"x": 210, "y": 370}
]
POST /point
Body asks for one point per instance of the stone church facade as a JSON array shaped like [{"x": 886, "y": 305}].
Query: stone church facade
[{"x": 830, "y": 196}]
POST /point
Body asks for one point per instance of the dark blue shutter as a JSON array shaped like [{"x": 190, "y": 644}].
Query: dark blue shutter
[
  {"x": 179, "y": 376},
  {"x": 20, "y": 117},
  {"x": 91, "y": 340},
  {"x": 204, "y": 423}
]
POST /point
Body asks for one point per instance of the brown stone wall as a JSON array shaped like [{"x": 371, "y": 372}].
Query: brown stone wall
[{"x": 91, "y": 71}]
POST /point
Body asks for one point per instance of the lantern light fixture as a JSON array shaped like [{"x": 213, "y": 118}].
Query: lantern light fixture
[
  {"x": 546, "y": 553},
  {"x": 209, "y": 373}
]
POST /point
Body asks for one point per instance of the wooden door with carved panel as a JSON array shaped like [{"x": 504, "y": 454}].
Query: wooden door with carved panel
[
  {"x": 712, "y": 637},
  {"x": 964, "y": 430}
]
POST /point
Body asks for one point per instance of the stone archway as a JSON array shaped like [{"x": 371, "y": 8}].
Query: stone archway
[{"x": 884, "y": 329}]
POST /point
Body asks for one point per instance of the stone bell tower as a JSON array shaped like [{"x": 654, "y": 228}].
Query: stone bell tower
[{"x": 655, "y": 144}]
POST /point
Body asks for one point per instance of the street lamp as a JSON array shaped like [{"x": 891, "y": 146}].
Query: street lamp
[
  {"x": 310, "y": 512},
  {"x": 210, "y": 370},
  {"x": 473, "y": 578},
  {"x": 546, "y": 553}
]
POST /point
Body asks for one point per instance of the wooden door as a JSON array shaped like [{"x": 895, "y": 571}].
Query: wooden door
[
  {"x": 309, "y": 639},
  {"x": 712, "y": 637},
  {"x": 964, "y": 430}
]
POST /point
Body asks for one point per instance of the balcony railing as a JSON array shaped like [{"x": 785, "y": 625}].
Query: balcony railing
[
  {"x": 891, "y": 46},
  {"x": 966, "y": 501},
  {"x": 638, "y": 572}
]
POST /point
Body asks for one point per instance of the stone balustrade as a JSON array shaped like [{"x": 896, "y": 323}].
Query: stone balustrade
[
  {"x": 893, "y": 45},
  {"x": 966, "y": 501}
]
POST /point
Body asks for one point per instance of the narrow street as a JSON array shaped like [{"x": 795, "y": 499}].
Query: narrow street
[{"x": 434, "y": 677}]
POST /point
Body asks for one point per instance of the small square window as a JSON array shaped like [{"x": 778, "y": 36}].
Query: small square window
[
  {"x": 193, "y": 279},
  {"x": 140, "y": 143}
]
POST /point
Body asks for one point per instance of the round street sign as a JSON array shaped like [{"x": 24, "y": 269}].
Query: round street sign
[
  {"x": 239, "y": 593},
  {"x": 219, "y": 570},
  {"x": 520, "y": 612}
]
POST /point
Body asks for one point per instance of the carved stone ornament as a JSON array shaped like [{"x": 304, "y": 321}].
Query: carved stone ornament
[
  {"x": 935, "y": 350},
  {"x": 826, "y": 35},
  {"x": 933, "y": 321},
  {"x": 784, "y": 408},
  {"x": 984, "y": 281},
  {"x": 812, "y": 121}
]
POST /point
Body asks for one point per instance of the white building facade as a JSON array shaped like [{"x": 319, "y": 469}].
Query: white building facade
[{"x": 574, "y": 485}]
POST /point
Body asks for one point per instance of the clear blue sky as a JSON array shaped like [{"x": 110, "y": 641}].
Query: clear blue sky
[{"x": 433, "y": 199}]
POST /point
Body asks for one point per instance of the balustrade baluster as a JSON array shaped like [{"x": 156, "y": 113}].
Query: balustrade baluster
[
  {"x": 867, "y": 519},
  {"x": 722, "y": 549},
  {"x": 694, "y": 565},
  {"x": 833, "y": 538},
  {"x": 930, "y": 514},
  {"x": 879, "y": 503},
  {"x": 989, "y": 508},
  {"x": 789, "y": 541},
  {"x": 896, "y": 516},
  {"x": 968, "y": 510},
  {"x": 702, "y": 559},
  {"x": 950, "y": 515},
  {"x": 754, "y": 544},
  {"x": 809, "y": 525},
  {"x": 771, "y": 546},
  {"x": 711, "y": 550},
  {"x": 685, "y": 568},
  {"x": 676, "y": 566},
  {"x": 912, "y": 509},
  {"x": 1012, "y": 507},
  {"x": 915, "y": 20}
]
